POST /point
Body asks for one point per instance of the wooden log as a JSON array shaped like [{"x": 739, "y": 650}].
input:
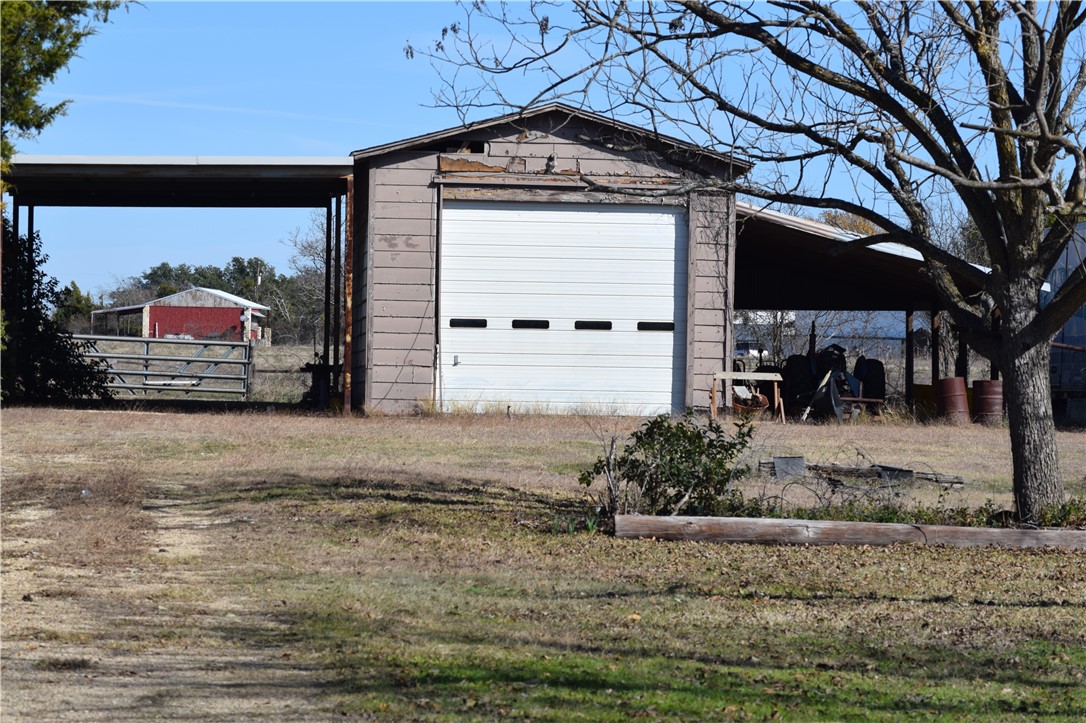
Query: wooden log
[{"x": 825, "y": 532}]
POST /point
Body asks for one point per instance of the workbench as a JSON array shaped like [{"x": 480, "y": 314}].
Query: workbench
[{"x": 778, "y": 405}]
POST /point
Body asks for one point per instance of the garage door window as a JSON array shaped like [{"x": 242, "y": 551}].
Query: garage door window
[{"x": 467, "y": 323}]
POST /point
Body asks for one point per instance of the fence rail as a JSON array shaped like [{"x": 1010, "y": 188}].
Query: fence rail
[{"x": 140, "y": 366}]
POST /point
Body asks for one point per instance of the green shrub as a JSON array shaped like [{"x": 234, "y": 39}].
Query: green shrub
[{"x": 672, "y": 466}]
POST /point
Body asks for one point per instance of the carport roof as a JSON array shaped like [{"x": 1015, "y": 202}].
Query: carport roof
[
  {"x": 785, "y": 262},
  {"x": 178, "y": 181},
  {"x": 782, "y": 262}
]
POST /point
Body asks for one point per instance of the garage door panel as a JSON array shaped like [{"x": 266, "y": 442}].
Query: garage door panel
[
  {"x": 572, "y": 362},
  {"x": 562, "y": 263},
  {"x": 539, "y": 288},
  {"x": 589, "y": 251},
  {"x": 618, "y": 271},
  {"x": 603, "y": 308},
  {"x": 617, "y": 343}
]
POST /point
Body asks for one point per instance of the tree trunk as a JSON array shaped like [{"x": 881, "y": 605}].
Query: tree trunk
[{"x": 1037, "y": 481}]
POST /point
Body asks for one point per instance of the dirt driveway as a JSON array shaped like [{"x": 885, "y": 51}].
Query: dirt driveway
[{"x": 167, "y": 651}]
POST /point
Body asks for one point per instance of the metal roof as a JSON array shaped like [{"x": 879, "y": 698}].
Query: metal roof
[
  {"x": 786, "y": 262},
  {"x": 178, "y": 181},
  {"x": 737, "y": 165},
  {"x": 236, "y": 300}
]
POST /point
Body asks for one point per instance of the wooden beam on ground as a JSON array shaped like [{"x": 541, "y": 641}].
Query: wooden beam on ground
[{"x": 824, "y": 532}]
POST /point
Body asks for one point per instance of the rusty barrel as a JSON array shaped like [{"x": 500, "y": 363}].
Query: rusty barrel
[
  {"x": 988, "y": 401},
  {"x": 951, "y": 401}
]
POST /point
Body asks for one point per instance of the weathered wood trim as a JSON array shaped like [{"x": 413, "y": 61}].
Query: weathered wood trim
[
  {"x": 553, "y": 195},
  {"x": 692, "y": 237},
  {"x": 823, "y": 532},
  {"x": 367, "y": 281}
]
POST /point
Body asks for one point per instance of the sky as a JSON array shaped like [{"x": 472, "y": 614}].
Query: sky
[{"x": 228, "y": 78}]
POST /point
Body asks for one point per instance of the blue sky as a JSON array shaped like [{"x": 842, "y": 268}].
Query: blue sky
[{"x": 216, "y": 78}]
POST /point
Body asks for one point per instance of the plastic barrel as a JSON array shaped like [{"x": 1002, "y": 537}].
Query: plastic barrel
[
  {"x": 988, "y": 401},
  {"x": 951, "y": 401}
]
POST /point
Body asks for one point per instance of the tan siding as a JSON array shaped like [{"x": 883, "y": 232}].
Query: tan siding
[
  {"x": 396, "y": 374},
  {"x": 413, "y": 309},
  {"x": 413, "y": 339},
  {"x": 403, "y": 259},
  {"x": 400, "y": 240},
  {"x": 711, "y": 298},
  {"x": 403, "y": 209},
  {"x": 708, "y": 286},
  {"x": 403, "y": 250},
  {"x": 402, "y": 194},
  {"x": 403, "y": 292},
  {"x": 705, "y": 367},
  {"x": 401, "y": 325},
  {"x": 709, "y": 332},
  {"x": 407, "y": 160},
  {"x": 407, "y": 275},
  {"x": 416, "y": 178},
  {"x": 399, "y": 398},
  {"x": 401, "y": 357}
]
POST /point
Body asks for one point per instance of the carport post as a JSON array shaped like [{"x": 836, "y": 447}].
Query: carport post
[
  {"x": 961, "y": 363},
  {"x": 335, "y": 305},
  {"x": 327, "y": 278},
  {"x": 910, "y": 353},
  {"x": 348, "y": 296},
  {"x": 936, "y": 343}
]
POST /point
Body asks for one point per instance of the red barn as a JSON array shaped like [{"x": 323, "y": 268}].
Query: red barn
[{"x": 198, "y": 313}]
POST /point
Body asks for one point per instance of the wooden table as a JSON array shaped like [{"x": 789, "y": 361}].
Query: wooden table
[{"x": 778, "y": 407}]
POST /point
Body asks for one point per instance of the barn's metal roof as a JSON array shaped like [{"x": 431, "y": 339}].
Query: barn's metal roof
[
  {"x": 178, "y": 181},
  {"x": 235, "y": 300},
  {"x": 737, "y": 166}
]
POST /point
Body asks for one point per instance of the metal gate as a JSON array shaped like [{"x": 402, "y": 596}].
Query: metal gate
[{"x": 140, "y": 366}]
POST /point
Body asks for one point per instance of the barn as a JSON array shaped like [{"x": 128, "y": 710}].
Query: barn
[
  {"x": 547, "y": 261},
  {"x": 557, "y": 260},
  {"x": 198, "y": 313}
]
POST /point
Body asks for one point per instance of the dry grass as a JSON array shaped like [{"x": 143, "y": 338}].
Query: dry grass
[
  {"x": 304, "y": 567},
  {"x": 89, "y": 520}
]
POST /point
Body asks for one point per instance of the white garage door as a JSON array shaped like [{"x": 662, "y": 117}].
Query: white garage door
[{"x": 562, "y": 307}]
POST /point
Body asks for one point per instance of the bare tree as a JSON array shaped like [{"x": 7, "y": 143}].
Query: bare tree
[
  {"x": 298, "y": 302},
  {"x": 901, "y": 104}
]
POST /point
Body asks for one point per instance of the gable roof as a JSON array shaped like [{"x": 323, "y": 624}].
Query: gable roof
[
  {"x": 235, "y": 300},
  {"x": 222, "y": 295},
  {"x": 655, "y": 140}
]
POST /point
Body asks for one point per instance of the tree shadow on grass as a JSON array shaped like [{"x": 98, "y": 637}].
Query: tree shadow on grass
[
  {"x": 454, "y": 493},
  {"x": 500, "y": 671}
]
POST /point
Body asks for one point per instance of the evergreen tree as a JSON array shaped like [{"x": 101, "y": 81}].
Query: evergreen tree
[{"x": 41, "y": 361}]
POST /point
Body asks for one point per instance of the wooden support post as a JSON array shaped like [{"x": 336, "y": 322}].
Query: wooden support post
[
  {"x": 961, "y": 362},
  {"x": 996, "y": 322},
  {"x": 327, "y": 280},
  {"x": 337, "y": 274},
  {"x": 348, "y": 296},
  {"x": 910, "y": 360},
  {"x": 936, "y": 344}
]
